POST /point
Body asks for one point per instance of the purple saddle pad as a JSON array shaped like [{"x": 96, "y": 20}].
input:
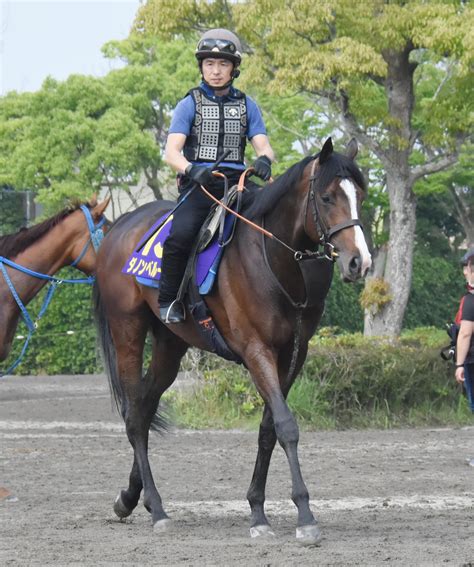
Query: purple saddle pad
[{"x": 145, "y": 262}]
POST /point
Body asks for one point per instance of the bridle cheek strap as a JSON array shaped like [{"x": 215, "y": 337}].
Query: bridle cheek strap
[{"x": 325, "y": 233}]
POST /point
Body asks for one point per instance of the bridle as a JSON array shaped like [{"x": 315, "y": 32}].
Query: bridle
[
  {"x": 325, "y": 233},
  {"x": 96, "y": 233}
]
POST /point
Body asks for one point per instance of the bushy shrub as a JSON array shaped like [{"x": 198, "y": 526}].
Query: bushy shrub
[{"x": 360, "y": 378}]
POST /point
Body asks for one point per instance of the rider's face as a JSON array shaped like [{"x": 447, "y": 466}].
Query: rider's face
[{"x": 217, "y": 72}]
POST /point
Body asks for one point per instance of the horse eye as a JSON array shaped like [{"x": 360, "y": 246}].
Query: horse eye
[{"x": 325, "y": 199}]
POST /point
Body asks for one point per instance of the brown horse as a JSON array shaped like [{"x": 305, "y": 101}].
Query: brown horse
[
  {"x": 258, "y": 305},
  {"x": 59, "y": 241}
]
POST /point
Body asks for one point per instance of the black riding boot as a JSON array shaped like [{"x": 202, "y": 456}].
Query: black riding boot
[
  {"x": 172, "y": 313},
  {"x": 172, "y": 272}
]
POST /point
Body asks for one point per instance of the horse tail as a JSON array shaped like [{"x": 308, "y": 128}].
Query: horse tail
[
  {"x": 161, "y": 421},
  {"x": 107, "y": 348}
]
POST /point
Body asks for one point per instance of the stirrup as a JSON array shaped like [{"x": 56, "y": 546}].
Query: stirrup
[{"x": 174, "y": 313}]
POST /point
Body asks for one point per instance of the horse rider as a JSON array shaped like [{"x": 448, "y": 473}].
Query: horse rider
[{"x": 211, "y": 119}]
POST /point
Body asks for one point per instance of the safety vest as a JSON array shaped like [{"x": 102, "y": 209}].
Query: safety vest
[{"x": 217, "y": 126}]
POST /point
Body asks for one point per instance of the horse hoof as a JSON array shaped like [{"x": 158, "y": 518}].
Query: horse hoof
[
  {"x": 308, "y": 535},
  {"x": 261, "y": 531},
  {"x": 162, "y": 525},
  {"x": 120, "y": 509}
]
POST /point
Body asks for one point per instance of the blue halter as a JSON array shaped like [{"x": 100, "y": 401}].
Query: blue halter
[{"x": 96, "y": 232}]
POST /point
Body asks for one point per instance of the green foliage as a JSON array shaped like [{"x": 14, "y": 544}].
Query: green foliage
[
  {"x": 11, "y": 211},
  {"x": 225, "y": 398},
  {"x": 74, "y": 137},
  {"x": 375, "y": 295},
  {"x": 342, "y": 308},
  {"x": 437, "y": 287}
]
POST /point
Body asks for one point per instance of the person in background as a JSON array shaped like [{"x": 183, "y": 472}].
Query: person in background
[{"x": 465, "y": 343}]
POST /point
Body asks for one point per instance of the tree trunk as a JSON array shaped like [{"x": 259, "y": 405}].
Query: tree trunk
[
  {"x": 463, "y": 208},
  {"x": 398, "y": 267}
]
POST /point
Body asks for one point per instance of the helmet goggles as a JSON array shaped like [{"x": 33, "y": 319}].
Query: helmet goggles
[
  {"x": 218, "y": 48},
  {"x": 211, "y": 44}
]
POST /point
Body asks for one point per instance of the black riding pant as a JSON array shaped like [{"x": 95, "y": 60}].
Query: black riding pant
[{"x": 187, "y": 221}]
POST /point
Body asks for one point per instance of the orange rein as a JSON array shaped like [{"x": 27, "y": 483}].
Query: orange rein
[{"x": 240, "y": 187}]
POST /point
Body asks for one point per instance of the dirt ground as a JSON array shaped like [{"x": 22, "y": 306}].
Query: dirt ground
[{"x": 400, "y": 497}]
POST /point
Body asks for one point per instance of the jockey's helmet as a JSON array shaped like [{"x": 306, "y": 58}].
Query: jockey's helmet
[{"x": 219, "y": 43}]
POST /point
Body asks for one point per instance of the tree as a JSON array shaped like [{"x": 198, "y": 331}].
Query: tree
[
  {"x": 454, "y": 190},
  {"x": 72, "y": 138},
  {"x": 395, "y": 71}
]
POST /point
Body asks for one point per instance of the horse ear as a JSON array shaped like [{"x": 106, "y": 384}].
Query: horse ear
[
  {"x": 93, "y": 200},
  {"x": 352, "y": 149},
  {"x": 326, "y": 151},
  {"x": 98, "y": 209}
]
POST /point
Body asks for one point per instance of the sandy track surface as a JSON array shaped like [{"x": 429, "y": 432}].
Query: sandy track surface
[{"x": 401, "y": 497}]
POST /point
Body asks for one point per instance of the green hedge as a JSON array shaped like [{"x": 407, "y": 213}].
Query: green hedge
[
  {"x": 347, "y": 381},
  {"x": 354, "y": 380}
]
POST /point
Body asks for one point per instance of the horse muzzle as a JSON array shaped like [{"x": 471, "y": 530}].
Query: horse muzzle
[{"x": 353, "y": 266}]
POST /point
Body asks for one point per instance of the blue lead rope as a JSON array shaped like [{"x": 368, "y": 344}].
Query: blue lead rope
[
  {"x": 32, "y": 326},
  {"x": 96, "y": 235}
]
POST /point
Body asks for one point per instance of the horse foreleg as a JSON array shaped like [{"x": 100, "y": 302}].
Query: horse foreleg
[
  {"x": 263, "y": 367},
  {"x": 256, "y": 493}
]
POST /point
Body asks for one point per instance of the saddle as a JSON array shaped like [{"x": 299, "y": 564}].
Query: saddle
[{"x": 201, "y": 271}]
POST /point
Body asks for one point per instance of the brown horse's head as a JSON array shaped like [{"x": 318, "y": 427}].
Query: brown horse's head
[
  {"x": 83, "y": 250},
  {"x": 333, "y": 210}
]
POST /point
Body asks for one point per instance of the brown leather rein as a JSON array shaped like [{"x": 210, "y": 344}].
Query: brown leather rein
[{"x": 325, "y": 233}]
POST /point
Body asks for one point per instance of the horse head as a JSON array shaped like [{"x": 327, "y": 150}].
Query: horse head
[{"x": 332, "y": 218}]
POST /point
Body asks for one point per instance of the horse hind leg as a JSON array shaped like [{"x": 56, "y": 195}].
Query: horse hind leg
[
  {"x": 123, "y": 339},
  {"x": 141, "y": 414}
]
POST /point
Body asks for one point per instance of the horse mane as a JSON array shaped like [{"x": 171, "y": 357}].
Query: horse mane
[
  {"x": 12, "y": 244},
  {"x": 258, "y": 203}
]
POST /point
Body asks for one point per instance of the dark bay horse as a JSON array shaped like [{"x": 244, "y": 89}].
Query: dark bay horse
[
  {"x": 258, "y": 305},
  {"x": 59, "y": 241}
]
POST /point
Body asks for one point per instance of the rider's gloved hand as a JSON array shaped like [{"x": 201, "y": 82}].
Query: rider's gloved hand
[
  {"x": 263, "y": 168},
  {"x": 200, "y": 174}
]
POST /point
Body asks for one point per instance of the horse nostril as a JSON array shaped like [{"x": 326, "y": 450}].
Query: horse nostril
[{"x": 355, "y": 264}]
